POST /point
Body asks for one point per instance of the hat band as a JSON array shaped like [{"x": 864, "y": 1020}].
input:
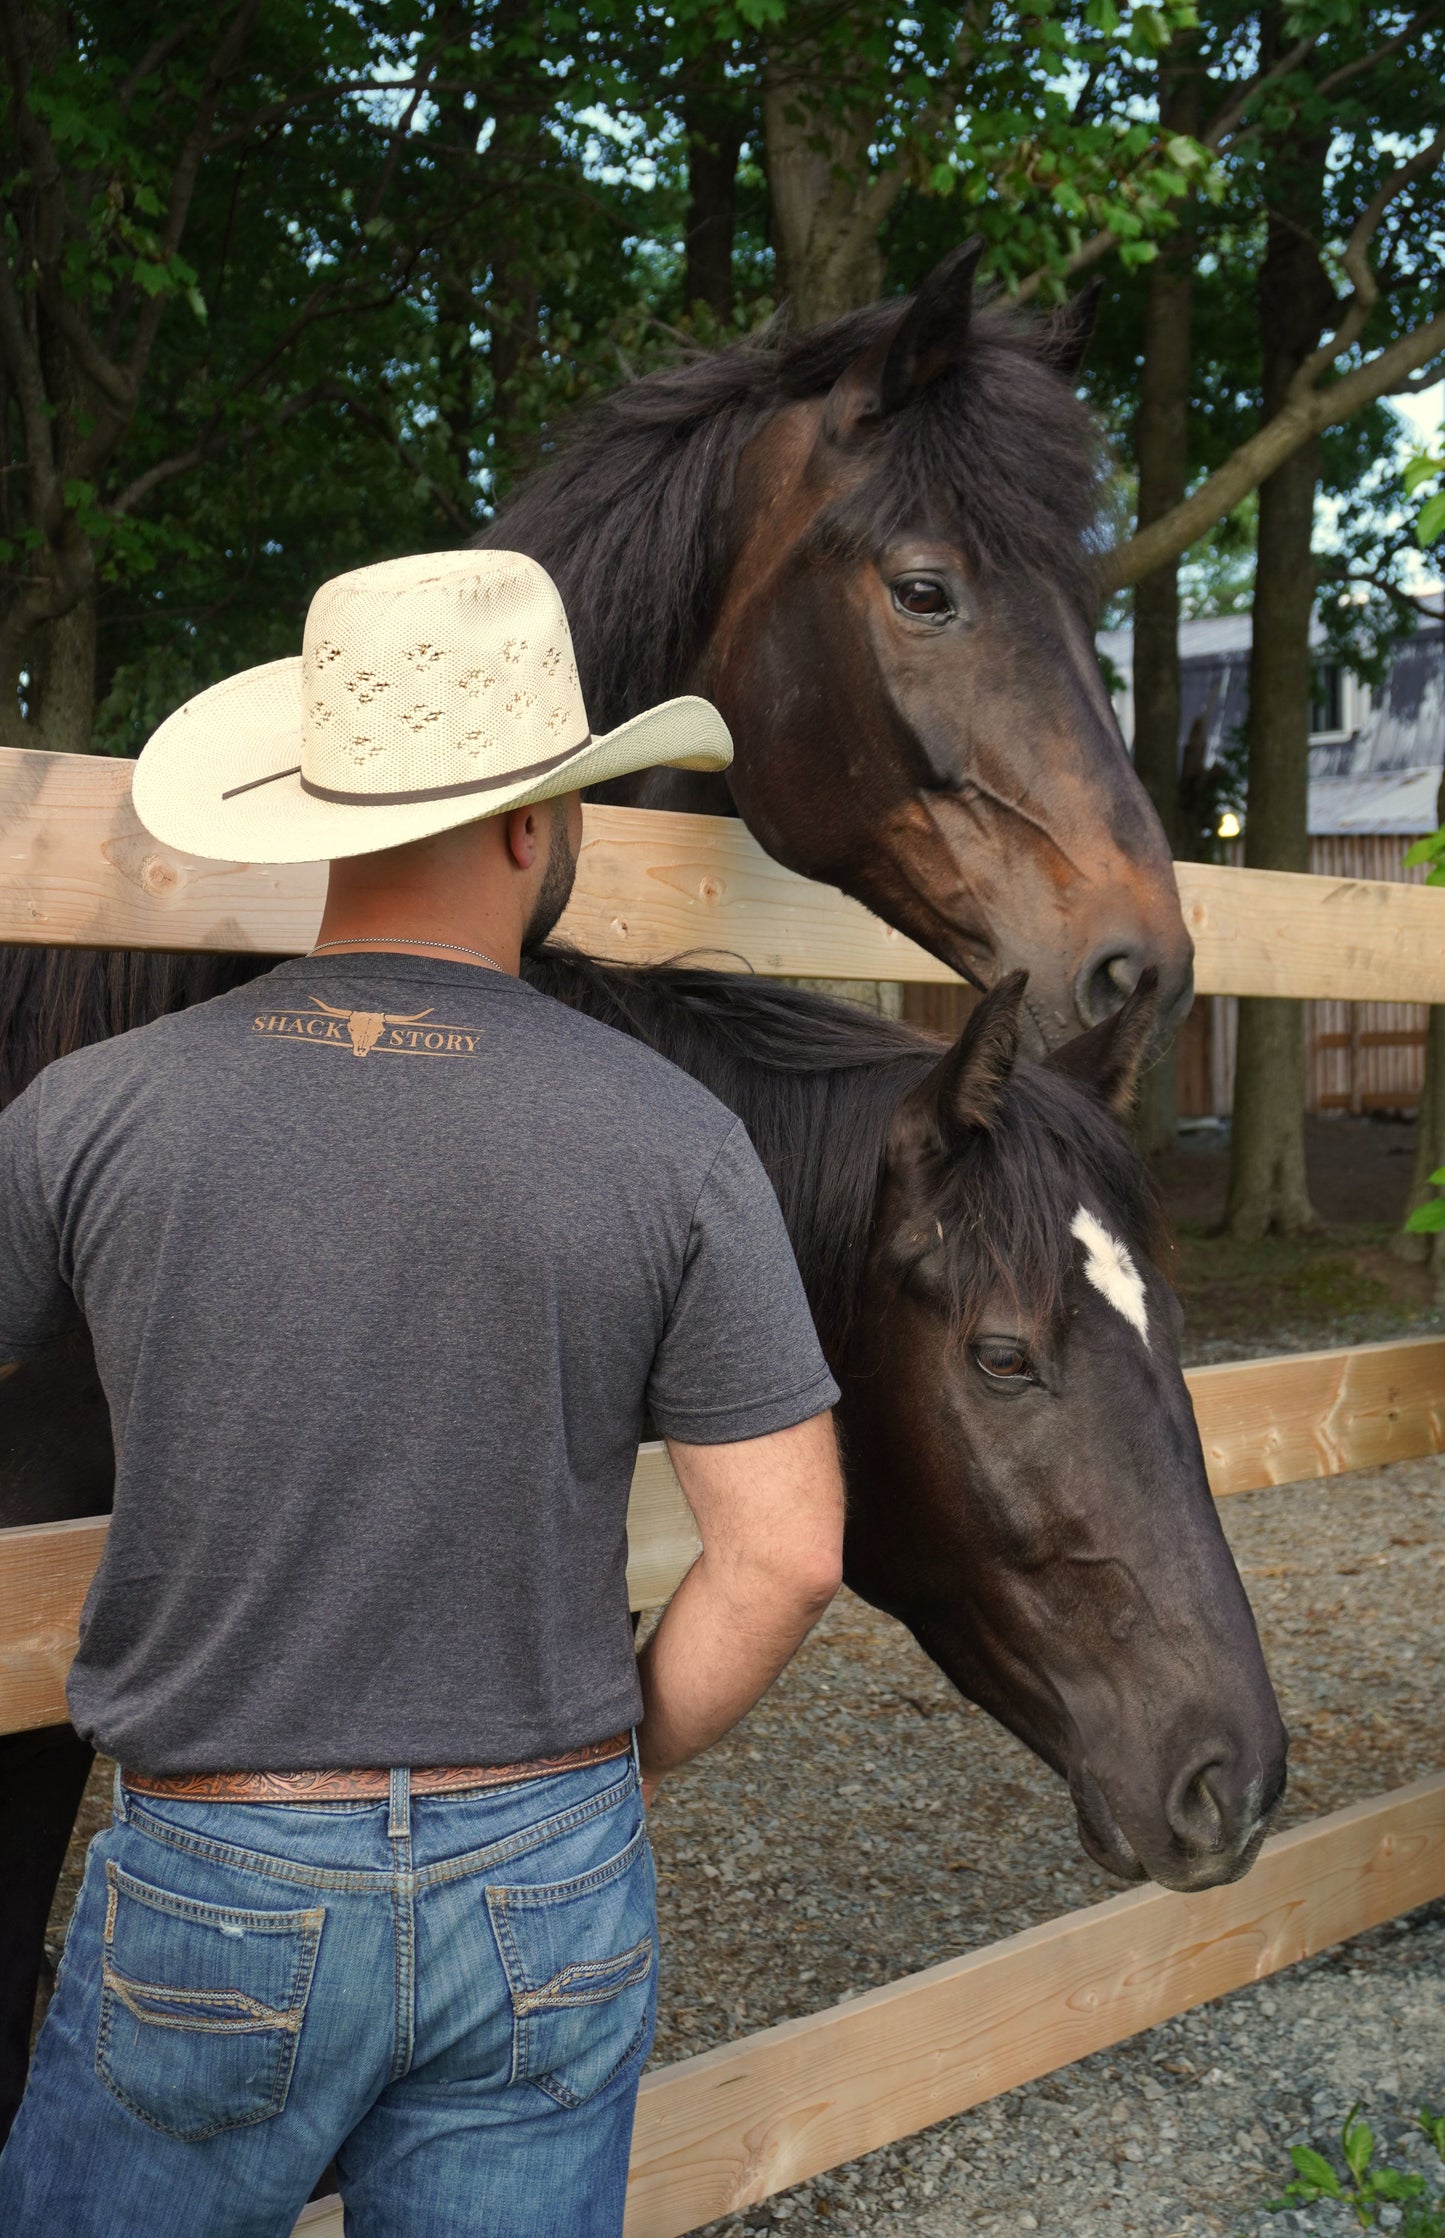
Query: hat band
[{"x": 425, "y": 792}]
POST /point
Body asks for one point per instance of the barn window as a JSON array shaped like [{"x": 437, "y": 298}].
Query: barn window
[{"x": 1327, "y": 700}]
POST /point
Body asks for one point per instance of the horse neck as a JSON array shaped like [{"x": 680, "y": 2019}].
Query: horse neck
[{"x": 820, "y": 1129}]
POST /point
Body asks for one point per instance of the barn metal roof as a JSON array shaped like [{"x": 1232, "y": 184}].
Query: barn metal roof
[{"x": 1381, "y": 776}]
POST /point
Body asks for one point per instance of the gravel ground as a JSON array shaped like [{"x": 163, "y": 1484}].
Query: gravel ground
[{"x": 865, "y": 1822}]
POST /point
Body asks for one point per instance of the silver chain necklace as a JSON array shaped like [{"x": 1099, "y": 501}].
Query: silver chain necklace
[{"x": 408, "y": 940}]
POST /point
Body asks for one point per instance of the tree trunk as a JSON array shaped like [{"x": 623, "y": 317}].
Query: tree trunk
[
  {"x": 827, "y": 210},
  {"x": 60, "y": 697},
  {"x": 827, "y": 207},
  {"x": 715, "y": 125},
  {"x": 1268, "y": 1189},
  {"x": 1161, "y": 453}
]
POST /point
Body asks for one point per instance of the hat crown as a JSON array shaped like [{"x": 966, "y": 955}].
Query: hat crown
[{"x": 423, "y": 674}]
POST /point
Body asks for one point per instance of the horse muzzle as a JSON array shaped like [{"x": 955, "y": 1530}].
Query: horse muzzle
[{"x": 1205, "y": 1828}]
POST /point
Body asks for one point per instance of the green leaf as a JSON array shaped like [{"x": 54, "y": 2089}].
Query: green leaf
[
  {"x": 154, "y": 278},
  {"x": 1427, "y": 850},
  {"x": 1313, "y": 2166},
  {"x": 1421, "y": 468},
  {"x": 198, "y": 303},
  {"x": 1393, "y": 2183},
  {"x": 1428, "y": 1219},
  {"x": 1438, "y": 1177},
  {"x": 1358, "y": 2143},
  {"x": 1432, "y": 519}
]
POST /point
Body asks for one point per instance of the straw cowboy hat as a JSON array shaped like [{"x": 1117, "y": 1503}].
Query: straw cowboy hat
[{"x": 429, "y": 692}]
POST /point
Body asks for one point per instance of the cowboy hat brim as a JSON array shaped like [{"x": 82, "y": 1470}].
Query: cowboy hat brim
[{"x": 222, "y": 777}]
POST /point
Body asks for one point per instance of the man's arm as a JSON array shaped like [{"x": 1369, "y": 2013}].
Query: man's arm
[{"x": 769, "y": 1511}]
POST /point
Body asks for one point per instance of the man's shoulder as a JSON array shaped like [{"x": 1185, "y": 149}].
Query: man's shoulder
[
  {"x": 615, "y": 1065},
  {"x": 141, "y": 1053}
]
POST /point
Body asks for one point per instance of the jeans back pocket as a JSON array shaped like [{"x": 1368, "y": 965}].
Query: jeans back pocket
[
  {"x": 580, "y": 1960},
  {"x": 201, "y": 2007}
]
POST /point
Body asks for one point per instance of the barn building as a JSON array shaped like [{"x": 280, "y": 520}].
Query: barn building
[{"x": 1375, "y": 776}]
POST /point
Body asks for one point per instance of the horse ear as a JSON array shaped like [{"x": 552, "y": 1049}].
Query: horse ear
[
  {"x": 1069, "y": 332},
  {"x": 966, "y": 1087},
  {"x": 1108, "y": 1059},
  {"x": 928, "y": 336}
]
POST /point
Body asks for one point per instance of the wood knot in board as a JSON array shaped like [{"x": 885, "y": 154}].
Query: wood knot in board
[
  {"x": 159, "y": 877},
  {"x": 137, "y": 859},
  {"x": 618, "y": 925},
  {"x": 709, "y": 889}
]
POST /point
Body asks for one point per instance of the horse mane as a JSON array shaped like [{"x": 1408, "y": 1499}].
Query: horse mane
[
  {"x": 817, "y": 1083},
  {"x": 629, "y": 518},
  {"x": 56, "y": 1000}
]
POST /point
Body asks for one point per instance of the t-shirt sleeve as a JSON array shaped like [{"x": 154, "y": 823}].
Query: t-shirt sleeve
[
  {"x": 35, "y": 1300},
  {"x": 739, "y": 1357}
]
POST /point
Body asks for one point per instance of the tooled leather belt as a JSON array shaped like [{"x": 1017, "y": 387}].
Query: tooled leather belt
[{"x": 365, "y": 1785}]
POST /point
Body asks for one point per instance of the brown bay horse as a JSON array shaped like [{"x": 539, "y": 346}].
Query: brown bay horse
[
  {"x": 1027, "y": 1493},
  {"x": 873, "y": 547}
]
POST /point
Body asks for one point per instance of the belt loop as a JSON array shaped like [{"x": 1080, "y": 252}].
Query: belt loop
[
  {"x": 398, "y": 1824},
  {"x": 117, "y": 1807},
  {"x": 637, "y": 1756}
]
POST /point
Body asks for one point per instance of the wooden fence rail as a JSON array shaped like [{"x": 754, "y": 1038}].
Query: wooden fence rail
[
  {"x": 76, "y": 867},
  {"x": 1277, "y": 1421},
  {"x": 722, "y": 2131}
]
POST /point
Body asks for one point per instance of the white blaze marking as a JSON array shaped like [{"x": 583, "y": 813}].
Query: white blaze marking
[{"x": 1111, "y": 1270}]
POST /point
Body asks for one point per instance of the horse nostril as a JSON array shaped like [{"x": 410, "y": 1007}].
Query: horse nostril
[
  {"x": 1201, "y": 1821},
  {"x": 1105, "y": 981}
]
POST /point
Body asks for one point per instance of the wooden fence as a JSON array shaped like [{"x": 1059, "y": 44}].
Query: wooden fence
[{"x": 721, "y": 2131}]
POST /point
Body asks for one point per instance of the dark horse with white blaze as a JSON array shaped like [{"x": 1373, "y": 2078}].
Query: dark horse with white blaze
[
  {"x": 979, "y": 1242},
  {"x": 873, "y": 548}
]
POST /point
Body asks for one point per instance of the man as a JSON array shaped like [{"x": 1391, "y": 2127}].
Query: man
[{"x": 384, "y": 1257}]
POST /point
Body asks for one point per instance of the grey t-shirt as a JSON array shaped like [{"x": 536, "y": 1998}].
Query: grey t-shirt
[{"x": 383, "y": 1259}]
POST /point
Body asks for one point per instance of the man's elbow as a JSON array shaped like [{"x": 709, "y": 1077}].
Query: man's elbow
[{"x": 814, "y": 1575}]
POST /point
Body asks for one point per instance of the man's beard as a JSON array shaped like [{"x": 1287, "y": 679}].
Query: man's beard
[{"x": 556, "y": 889}]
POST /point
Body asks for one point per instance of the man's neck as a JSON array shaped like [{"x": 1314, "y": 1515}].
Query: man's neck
[{"x": 356, "y": 942}]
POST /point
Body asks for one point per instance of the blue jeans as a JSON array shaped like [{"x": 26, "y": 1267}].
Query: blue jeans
[{"x": 452, "y": 1996}]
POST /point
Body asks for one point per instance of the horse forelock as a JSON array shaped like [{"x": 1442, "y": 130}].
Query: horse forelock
[
  {"x": 1008, "y": 1201},
  {"x": 999, "y": 446}
]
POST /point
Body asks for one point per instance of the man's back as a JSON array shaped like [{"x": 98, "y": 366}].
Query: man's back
[{"x": 365, "y": 1515}]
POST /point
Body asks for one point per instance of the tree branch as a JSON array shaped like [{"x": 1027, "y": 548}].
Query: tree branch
[
  {"x": 216, "y": 439},
  {"x": 159, "y": 52},
  {"x": 224, "y": 58},
  {"x": 1332, "y": 82},
  {"x": 1215, "y": 134},
  {"x": 380, "y": 425},
  {"x": 1358, "y": 306},
  {"x": 22, "y": 361},
  {"x": 1088, "y": 252},
  {"x": 1301, "y": 417}
]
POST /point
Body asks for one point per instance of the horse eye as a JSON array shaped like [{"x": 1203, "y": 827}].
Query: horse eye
[
  {"x": 1006, "y": 1363},
  {"x": 920, "y": 594}
]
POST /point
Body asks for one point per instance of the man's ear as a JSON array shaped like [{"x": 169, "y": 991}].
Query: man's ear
[
  {"x": 965, "y": 1089},
  {"x": 1066, "y": 338},
  {"x": 929, "y": 335},
  {"x": 524, "y": 836},
  {"x": 1108, "y": 1059}
]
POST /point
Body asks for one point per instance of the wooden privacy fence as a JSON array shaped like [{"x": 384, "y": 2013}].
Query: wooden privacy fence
[{"x": 723, "y": 2130}]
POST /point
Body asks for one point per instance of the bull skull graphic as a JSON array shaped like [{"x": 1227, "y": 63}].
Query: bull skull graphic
[{"x": 364, "y": 1026}]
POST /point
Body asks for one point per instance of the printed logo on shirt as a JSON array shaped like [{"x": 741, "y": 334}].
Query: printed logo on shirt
[{"x": 398, "y": 1033}]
